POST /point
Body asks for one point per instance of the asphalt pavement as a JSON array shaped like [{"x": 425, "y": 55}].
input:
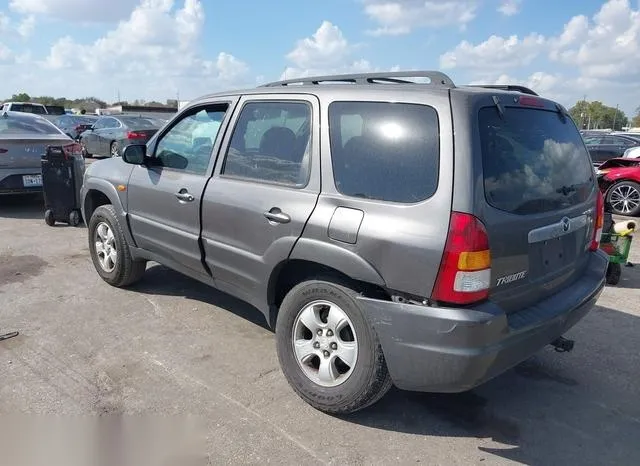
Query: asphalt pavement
[{"x": 173, "y": 349}]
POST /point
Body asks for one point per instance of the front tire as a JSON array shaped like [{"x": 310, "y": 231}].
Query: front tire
[
  {"x": 624, "y": 198},
  {"x": 329, "y": 353},
  {"x": 109, "y": 249}
]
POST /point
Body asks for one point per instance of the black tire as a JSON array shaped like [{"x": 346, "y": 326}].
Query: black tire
[
  {"x": 85, "y": 153},
  {"x": 614, "y": 271},
  {"x": 48, "y": 218},
  {"x": 114, "y": 149},
  {"x": 74, "y": 218},
  {"x": 631, "y": 185},
  {"x": 127, "y": 270},
  {"x": 369, "y": 380}
]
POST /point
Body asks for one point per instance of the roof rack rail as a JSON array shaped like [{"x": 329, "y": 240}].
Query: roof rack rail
[
  {"x": 505, "y": 87},
  {"x": 436, "y": 78}
]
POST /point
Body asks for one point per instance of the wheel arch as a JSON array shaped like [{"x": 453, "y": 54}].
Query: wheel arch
[
  {"x": 291, "y": 272},
  {"x": 99, "y": 192}
]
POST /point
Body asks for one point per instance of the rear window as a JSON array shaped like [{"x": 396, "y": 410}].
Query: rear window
[
  {"x": 533, "y": 162},
  {"x": 28, "y": 108},
  {"x": 385, "y": 151},
  {"x": 11, "y": 126},
  {"x": 141, "y": 123}
]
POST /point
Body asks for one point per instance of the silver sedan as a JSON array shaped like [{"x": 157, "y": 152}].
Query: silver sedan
[{"x": 24, "y": 138}]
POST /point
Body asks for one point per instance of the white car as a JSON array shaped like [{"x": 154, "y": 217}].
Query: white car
[{"x": 632, "y": 153}]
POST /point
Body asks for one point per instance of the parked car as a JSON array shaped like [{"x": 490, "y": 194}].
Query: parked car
[
  {"x": 619, "y": 181},
  {"x": 424, "y": 235},
  {"x": 50, "y": 112},
  {"x": 24, "y": 138},
  {"x": 109, "y": 135},
  {"x": 632, "y": 153},
  {"x": 74, "y": 125},
  {"x": 609, "y": 146}
]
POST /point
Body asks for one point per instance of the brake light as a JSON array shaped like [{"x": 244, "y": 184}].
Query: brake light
[
  {"x": 136, "y": 135},
  {"x": 530, "y": 101},
  {"x": 72, "y": 149},
  {"x": 464, "y": 276},
  {"x": 599, "y": 224}
]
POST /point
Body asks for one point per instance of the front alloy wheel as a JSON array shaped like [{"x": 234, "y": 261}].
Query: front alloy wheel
[{"x": 624, "y": 198}]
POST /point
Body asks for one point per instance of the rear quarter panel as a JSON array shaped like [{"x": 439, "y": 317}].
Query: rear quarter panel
[{"x": 400, "y": 243}]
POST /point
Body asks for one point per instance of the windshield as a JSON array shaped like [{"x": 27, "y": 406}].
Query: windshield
[
  {"x": 533, "y": 161},
  {"x": 15, "y": 125}
]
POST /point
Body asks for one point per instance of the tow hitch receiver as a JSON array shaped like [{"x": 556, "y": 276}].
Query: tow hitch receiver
[{"x": 562, "y": 345}]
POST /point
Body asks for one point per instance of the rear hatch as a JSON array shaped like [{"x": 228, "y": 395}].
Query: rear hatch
[{"x": 539, "y": 199}]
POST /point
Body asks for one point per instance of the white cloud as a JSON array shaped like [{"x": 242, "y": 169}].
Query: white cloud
[
  {"x": 5, "y": 52},
  {"x": 327, "y": 51},
  {"x": 151, "y": 55},
  {"x": 495, "y": 52},
  {"x": 510, "y": 7},
  {"x": 26, "y": 26},
  {"x": 76, "y": 10},
  {"x": 607, "y": 47},
  {"x": 396, "y": 17}
]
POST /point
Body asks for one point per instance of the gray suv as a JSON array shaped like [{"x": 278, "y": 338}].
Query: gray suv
[{"x": 392, "y": 231}]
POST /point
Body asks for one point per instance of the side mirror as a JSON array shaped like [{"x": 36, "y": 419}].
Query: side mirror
[{"x": 135, "y": 154}]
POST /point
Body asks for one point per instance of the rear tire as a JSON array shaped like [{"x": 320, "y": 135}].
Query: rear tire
[
  {"x": 614, "y": 271},
  {"x": 624, "y": 198},
  {"x": 74, "y": 218},
  {"x": 112, "y": 260},
  {"x": 343, "y": 388},
  {"x": 48, "y": 218},
  {"x": 115, "y": 149}
]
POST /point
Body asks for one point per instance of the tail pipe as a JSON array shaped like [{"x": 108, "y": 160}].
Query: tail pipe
[{"x": 562, "y": 345}]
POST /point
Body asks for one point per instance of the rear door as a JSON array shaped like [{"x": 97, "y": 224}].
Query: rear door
[
  {"x": 263, "y": 191},
  {"x": 539, "y": 201},
  {"x": 90, "y": 138}
]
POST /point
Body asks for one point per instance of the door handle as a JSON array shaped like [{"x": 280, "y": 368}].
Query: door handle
[
  {"x": 184, "y": 196},
  {"x": 276, "y": 215}
]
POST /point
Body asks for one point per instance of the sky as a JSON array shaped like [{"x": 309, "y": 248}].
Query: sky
[{"x": 166, "y": 49}]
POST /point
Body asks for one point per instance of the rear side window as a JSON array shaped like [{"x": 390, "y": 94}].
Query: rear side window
[
  {"x": 385, "y": 151},
  {"x": 533, "y": 161}
]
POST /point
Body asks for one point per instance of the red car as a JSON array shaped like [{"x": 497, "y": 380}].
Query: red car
[{"x": 619, "y": 181}]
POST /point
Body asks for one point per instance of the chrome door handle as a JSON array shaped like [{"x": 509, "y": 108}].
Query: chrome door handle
[
  {"x": 184, "y": 196},
  {"x": 276, "y": 215}
]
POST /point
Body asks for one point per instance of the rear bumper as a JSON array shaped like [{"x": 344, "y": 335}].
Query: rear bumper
[
  {"x": 453, "y": 350},
  {"x": 11, "y": 180}
]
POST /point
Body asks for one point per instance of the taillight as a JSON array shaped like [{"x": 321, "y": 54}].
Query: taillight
[
  {"x": 72, "y": 149},
  {"x": 464, "y": 276},
  {"x": 136, "y": 135},
  {"x": 599, "y": 223},
  {"x": 531, "y": 101}
]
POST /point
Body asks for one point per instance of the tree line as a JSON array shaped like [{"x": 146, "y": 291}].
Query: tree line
[{"x": 89, "y": 104}]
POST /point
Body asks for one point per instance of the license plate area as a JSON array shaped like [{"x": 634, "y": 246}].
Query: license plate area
[{"x": 32, "y": 181}]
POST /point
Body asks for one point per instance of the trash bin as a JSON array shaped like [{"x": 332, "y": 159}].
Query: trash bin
[{"x": 62, "y": 172}]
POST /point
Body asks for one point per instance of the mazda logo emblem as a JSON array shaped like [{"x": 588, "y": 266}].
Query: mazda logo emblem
[{"x": 566, "y": 224}]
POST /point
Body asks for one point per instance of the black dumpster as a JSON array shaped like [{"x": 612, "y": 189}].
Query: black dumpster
[{"x": 62, "y": 172}]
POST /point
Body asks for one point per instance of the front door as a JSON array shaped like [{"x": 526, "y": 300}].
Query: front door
[
  {"x": 165, "y": 195},
  {"x": 263, "y": 191}
]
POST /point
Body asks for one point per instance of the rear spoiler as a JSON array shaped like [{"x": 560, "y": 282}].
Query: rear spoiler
[{"x": 505, "y": 87}]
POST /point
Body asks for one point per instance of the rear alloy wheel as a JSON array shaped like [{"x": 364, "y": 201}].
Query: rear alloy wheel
[
  {"x": 115, "y": 149},
  {"x": 329, "y": 353},
  {"x": 624, "y": 198}
]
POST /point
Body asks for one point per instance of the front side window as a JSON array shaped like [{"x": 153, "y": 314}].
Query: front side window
[
  {"x": 271, "y": 142},
  {"x": 533, "y": 161},
  {"x": 189, "y": 143},
  {"x": 385, "y": 151}
]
